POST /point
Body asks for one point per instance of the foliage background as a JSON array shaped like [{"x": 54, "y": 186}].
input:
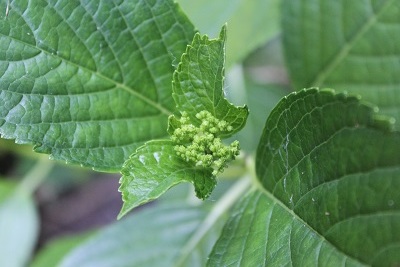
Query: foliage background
[{"x": 354, "y": 49}]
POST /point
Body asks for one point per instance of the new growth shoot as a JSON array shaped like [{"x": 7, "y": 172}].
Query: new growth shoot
[{"x": 201, "y": 144}]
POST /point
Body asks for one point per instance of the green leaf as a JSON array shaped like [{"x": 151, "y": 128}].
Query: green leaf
[
  {"x": 55, "y": 250},
  {"x": 264, "y": 233},
  {"x": 354, "y": 48},
  {"x": 161, "y": 236},
  {"x": 197, "y": 88},
  {"x": 89, "y": 81},
  {"x": 198, "y": 82},
  {"x": 329, "y": 168},
  {"x": 18, "y": 225},
  {"x": 244, "y": 19},
  {"x": 153, "y": 169}
]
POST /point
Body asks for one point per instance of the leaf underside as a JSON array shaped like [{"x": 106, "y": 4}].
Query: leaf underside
[
  {"x": 89, "y": 81},
  {"x": 355, "y": 48},
  {"x": 330, "y": 173},
  {"x": 152, "y": 237}
]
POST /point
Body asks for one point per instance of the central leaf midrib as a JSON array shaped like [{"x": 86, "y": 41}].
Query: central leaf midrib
[
  {"x": 219, "y": 209},
  {"x": 100, "y": 75},
  {"x": 345, "y": 49}
]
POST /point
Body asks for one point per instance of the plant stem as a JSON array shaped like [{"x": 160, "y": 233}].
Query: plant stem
[
  {"x": 36, "y": 175},
  {"x": 225, "y": 203}
]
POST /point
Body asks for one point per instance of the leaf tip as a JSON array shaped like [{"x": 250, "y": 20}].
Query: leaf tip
[
  {"x": 222, "y": 33},
  {"x": 123, "y": 212}
]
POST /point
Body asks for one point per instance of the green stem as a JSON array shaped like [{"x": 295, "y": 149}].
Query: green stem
[
  {"x": 31, "y": 181},
  {"x": 236, "y": 169},
  {"x": 222, "y": 206}
]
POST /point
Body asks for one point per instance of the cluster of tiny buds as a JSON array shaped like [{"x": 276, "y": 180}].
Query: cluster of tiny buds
[{"x": 201, "y": 145}]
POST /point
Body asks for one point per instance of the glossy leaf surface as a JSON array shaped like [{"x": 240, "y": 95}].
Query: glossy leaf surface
[
  {"x": 351, "y": 46},
  {"x": 329, "y": 169},
  {"x": 89, "y": 81},
  {"x": 154, "y": 169}
]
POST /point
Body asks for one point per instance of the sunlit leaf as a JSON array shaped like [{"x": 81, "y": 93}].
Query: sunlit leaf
[
  {"x": 154, "y": 169},
  {"x": 89, "y": 81}
]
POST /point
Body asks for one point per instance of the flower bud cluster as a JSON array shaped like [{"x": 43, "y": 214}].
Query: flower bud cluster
[{"x": 201, "y": 144}]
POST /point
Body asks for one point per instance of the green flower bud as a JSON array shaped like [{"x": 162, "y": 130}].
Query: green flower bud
[{"x": 201, "y": 144}]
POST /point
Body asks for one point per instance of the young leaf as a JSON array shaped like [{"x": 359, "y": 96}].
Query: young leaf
[
  {"x": 330, "y": 173},
  {"x": 156, "y": 167},
  {"x": 354, "y": 48},
  {"x": 198, "y": 82},
  {"x": 89, "y": 81},
  {"x": 195, "y": 152}
]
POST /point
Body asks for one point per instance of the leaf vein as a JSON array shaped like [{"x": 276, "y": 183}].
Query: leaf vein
[
  {"x": 345, "y": 49},
  {"x": 100, "y": 75}
]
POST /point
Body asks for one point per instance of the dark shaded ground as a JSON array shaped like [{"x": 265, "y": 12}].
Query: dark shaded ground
[
  {"x": 93, "y": 204},
  {"x": 69, "y": 202}
]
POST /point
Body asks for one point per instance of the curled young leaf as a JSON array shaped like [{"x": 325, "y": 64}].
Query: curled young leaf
[
  {"x": 155, "y": 168},
  {"x": 198, "y": 83},
  {"x": 195, "y": 152}
]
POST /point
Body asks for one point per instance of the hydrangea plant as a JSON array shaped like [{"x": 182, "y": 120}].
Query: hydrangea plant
[{"x": 132, "y": 87}]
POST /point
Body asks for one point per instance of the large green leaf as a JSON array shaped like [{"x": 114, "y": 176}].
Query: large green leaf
[
  {"x": 155, "y": 168},
  {"x": 89, "y": 81},
  {"x": 165, "y": 235},
  {"x": 54, "y": 251},
  {"x": 347, "y": 45},
  {"x": 18, "y": 225},
  {"x": 198, "y": 82},
  {"x": 329, "y": 171},
  {"x": 251, "y": 22},
  {"x": 262, "y": 232}
]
